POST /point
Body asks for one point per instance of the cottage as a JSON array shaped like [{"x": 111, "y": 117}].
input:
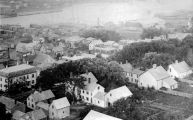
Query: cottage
[
  {"x": 157, "y": 77},
  {"x": 99, "y": 99},
  {"x": 18, "y": 73},
  {"x": 44, "y": 96},
  {"x": 12, "y": 105},
  {"x": 94, "y": 115},
  {"x": 116, "y": 94},
  {"x": 59, "y": 108},
  {"x": 179, "y": 69}
]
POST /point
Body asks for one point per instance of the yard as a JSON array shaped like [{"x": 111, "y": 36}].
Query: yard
[{"x": 185, "y": 87}]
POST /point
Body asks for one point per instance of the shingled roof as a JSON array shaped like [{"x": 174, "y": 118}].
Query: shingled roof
[{"x": 17, "y": 70}]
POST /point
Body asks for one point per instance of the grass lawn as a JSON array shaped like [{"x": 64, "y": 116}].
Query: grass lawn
[{"x": 184, "y": 87}]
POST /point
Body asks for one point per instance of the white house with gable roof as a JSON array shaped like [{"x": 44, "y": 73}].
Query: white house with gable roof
[
  {"x": 59, "y": 109},
  {"x": 157, "y": 77},
  {"x": 179, "y": 69},
  {"x": 116, "y": 94},
  {"x": 91, "y": 88},
  {"x": 94, "y": 115}
]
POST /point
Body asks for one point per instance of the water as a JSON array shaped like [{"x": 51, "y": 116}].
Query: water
[{"x": 88, "y": 13}]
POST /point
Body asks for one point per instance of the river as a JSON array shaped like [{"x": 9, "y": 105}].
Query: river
[{"x": 90, "y": 13}]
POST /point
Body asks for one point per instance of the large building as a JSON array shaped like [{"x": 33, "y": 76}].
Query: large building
[{"x": 18, "y": 73}]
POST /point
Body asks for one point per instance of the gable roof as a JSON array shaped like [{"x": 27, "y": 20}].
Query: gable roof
[
  {"x": 43, "y": 105},
  {"x": 100, "y": 95},
  {"x": 181, "y": 67},
  {"x": 44, "y": 95},
  {"x": 10, "y": 103},
  {"x": 43, "y": 58},
  {"x": 126, "y": 67},
  {"x": 17, "y": 70},
  {"x": 61, "y": 103},
  {"x": 17, "y": 115},
  {"x": 170, "y": 81},
  {"x": 94, "y": 115},
  {"x": 158, "y": 73},
  {"x": 89, "y": 75},
  {"x": 34, "y": 115},
  {"x": 120, "y": 92},
  {"x": 137, "y": 71}
]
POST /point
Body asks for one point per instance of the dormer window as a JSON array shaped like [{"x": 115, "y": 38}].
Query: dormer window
[{"x": 110, "y": 94}]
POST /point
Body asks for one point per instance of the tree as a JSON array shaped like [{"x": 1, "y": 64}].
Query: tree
[
  {"x": 102, "y": 34},
  {"x": 151, "y": 32},
  {"x": 2, "y": 111},
  {"x": 125, "y": 109}
]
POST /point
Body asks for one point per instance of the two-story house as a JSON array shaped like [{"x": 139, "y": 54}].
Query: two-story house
[
  {"x": 59, "y": 109},
  {"x": 91, "y": 87},
  {"x": 18, "y": 73},
  {"x": 44, "y": 96},
  {"x": 179, "y": 69}
]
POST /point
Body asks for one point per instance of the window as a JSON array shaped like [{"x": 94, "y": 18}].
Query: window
[
  {"x": 32, "y": 75},
  {"x": 33, "y": 82},
  {"x": 6, "y": 80},
  {"x": 87, "y": 92},
  {"x": 27, "y": 76},
  {"x": 89, "y": 80},
  {"x": 110, "y": 94},
  {"x": 83, "y": 91},
  {"x": 87, "y": 99},
  {"x": 0, "y": 85},
  {"x": 98, "y": 102},
  {"x": 32, "y": 105},
  {"x": 98, "y": 87},
  {"x": 0, "y": 79}
]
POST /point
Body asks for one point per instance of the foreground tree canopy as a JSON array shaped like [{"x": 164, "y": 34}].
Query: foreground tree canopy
[{"x": 109, "y": 74}]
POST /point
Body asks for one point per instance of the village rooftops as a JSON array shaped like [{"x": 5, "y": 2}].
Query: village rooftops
[
  {"x": 10, "y": 103},
  {"x": 61, "y": 103},
  {"x": 17, "y": 70},
  {"x": 34, "y": 115},
  {"x": 44, "y": 95},
  {"x": 120, "y": 92},
  {"x": 43, "y": 105},
  {"x": 126, "y": 67},
  {"x": 159, "y": 73},
  {"x": 94, "y": 115},
  {"x": 17, "y": 115}
]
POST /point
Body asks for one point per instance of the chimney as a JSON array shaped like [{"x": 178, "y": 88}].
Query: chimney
[
  {"x": 154, "y": 66},
  {"x": 126, "y": 61},
  {"x": 176, "y": 61}
]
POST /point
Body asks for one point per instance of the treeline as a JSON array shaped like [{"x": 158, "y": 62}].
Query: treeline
[
  {"x": 102, "y": 34},
  {"x": 109, "y": 74},
  {"x": 144, "y": 54}
]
